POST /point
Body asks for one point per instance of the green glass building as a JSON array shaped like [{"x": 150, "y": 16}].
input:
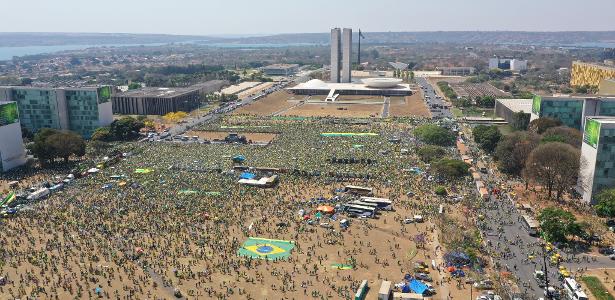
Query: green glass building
[
  {"x": 77, "y": 109},
  {"x": 572, "y": 110},
  {"x": 597, "y": 157}
]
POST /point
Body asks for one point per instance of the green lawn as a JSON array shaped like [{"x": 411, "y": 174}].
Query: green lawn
[{"x": 596, "y": 288}]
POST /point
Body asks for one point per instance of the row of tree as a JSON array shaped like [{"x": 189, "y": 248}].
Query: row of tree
[{"x": 547, "y": 153}]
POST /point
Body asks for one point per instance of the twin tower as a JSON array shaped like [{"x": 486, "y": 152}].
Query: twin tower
[{"x": 340, "y": 55}]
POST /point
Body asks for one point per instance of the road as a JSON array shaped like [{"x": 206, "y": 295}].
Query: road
[
  {"x": 510, "y": 244},
  {"x": 436, "y": 105}
]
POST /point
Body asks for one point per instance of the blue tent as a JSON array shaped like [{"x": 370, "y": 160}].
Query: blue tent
[
  {"x": 247, "y": 175},
  {"x": 239, "y": 158},
  {"x": 417, "y": 286}
]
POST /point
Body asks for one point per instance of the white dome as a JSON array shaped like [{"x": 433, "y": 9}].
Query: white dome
[
  {"x": 315, "y": 84},
  {"x": 382, "y": 82}
]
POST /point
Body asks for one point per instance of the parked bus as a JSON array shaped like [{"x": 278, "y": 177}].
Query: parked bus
[
  {"x": 530, "y": 224},
  {"x": 358, "y": 190},
  {"x": 573, "y": 290},
  {"x": 360, "y": 209},
  {"x": 361, "y": 291},
  {"x": 381, "y": 202}
]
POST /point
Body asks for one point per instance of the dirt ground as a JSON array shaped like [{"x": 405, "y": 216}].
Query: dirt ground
[
  {"x": 410, "y": 106},
  {"x": 255, "y": 137},
  {"x": 336, "y": 110},
  {"x": 269, "y": 105}
]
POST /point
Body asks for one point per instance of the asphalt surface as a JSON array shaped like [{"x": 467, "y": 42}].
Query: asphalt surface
[
  {"x": 510, "y": 245},
  {"x": 436, "y": 105}
]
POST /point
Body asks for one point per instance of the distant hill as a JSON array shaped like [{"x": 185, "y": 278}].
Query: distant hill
[
  {"x": 16, "y": 39},
  {"x": 464, "y": 37},
  {"x": 457, "y": 37}
]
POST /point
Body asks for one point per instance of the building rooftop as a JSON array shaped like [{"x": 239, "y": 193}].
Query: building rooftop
[
  {"x": 517, "y": 105},
  {"x": 596, "y": 64},
  {"x": 603, "y": 119},
  {"x": 281, "y": 66},
  {"x": 156, "y": 92},
  {"x": 316, "y": 84}
]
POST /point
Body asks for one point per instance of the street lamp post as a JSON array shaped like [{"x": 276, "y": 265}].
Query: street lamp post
[{"x": 546, "y": 273}]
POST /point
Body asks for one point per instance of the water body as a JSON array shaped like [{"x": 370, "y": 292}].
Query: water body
[{"x": 7, "y": 53}]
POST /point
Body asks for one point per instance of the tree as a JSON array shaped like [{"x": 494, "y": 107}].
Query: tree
[
  {"x": 520, "y": 120},
  {"x": 485, "y": 101},
  {"x": 67, "y": 143},
  {"x": 134, "y": 86},
  {"x": 450, "y": 168},
  {"x": 487, "y": 137},
  {"x": 435, "y": 135},
  {"x": 555, "y": 166},
  {"x": 102, "y": 134},
  {"x": 557, "y": 224},
  {"x": 513, "y": 150},
  {"x": 429, "y": 153},
  {"x": 563, "y": 134},
  {"x": 41, "y": 149},
  {"x": 125, "y": 128},
  {"x": 540, "y": 125},
  {"x": 51, "y": 143},
  {"x": 606, "y": 203},
  {"x": 440, "y": 191}
]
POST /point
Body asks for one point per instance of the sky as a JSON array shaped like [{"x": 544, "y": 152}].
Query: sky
[{"x": 243, "y": 17}]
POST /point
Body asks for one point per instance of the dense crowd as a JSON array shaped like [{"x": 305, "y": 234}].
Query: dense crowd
[{"x": 137, "y": 234}]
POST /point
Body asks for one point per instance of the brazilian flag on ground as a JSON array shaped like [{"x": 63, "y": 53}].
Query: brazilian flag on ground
[
  {"x": 266, "y": 248},
  {"x": 8, "y": 199}
]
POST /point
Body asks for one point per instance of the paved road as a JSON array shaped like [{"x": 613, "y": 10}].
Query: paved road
[
  {"x": 510, "y": 244},
  {"x": 436, "y": 105}
]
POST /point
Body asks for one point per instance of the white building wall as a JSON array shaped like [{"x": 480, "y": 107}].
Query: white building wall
[
  {"x": 336, "y": 40},
  {"x": 518, "y": 65},
  {"x": 105, "y": 114},
  {"x": 494, "y": 63},
  {"x": 347, "y": 55},
  {"x": 12, "y": 151},
  {"x": 586, "y": 173}
]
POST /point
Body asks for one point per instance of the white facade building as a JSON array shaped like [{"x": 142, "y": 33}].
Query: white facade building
[
  {"x": 12, "y": 151},
  {"x": 346, "y": 55},
  {"x": 336, "y": 54}
]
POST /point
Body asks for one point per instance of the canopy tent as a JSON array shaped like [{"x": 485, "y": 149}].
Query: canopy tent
[
  {"x": 143, "y": 171},
  {"x": 417, "y": 286},
  {"x": 326, "y": 209},
  {"x": 93, "y": 170},
  {"x": 247, "y": 175}
]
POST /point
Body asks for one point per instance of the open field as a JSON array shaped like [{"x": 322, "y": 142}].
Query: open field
[
  {"x": 255, "y": 137},
  {"x": 181, "y": 227},
  {"x": 410, "y": 106},
  {"x": 336, "y": 110},
  {"x": 273, "y": 103}
]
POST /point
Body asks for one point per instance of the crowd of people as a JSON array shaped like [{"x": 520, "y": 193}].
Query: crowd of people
[{"x": 137, "y": 234}]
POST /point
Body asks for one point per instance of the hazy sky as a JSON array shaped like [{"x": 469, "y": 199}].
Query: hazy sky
[{"x": 290, "y": 16}]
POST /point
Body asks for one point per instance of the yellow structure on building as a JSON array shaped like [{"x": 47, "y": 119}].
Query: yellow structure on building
[{"x": 590, "y": 73}]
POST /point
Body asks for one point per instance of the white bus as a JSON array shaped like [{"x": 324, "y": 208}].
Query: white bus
[
  {"x": 381, "y": 202},
  {"x": 530, "y": 224},
  {"x": 573, "y": 290}
]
